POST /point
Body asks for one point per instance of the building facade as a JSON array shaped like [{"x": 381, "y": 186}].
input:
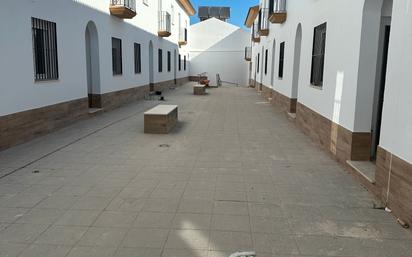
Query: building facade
[
  {"x": 61, "y": 58},
  {"x": 340, "y": 69}
]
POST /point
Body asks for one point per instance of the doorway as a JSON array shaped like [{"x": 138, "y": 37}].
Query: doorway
[
  {"x": 296, "y": 64},
  {"x": 151, "y": 75},
  {"x": 380, "y": 84},
  {"x": 92, "y": 66}
]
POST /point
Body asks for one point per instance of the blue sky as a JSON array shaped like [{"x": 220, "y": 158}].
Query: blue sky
[{"x": 239, "y": 9}]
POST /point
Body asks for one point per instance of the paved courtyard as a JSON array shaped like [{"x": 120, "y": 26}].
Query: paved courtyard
[{"x": 234, "y": 175}]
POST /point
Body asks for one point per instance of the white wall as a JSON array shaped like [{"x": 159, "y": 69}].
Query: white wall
[
  {"x": 396, "y": 136},
  {"x": 19, "y": 91},
  {"x": 217, "y": 47},
  {"x": 336, "y": 100}
]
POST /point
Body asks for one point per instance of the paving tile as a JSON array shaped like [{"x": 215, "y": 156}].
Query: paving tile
[
  {"x": 188, "y": 239},
  {"x": 105, "y": 237},
  {"x": 90, "y": 251},
  {"x": 40, "y": 216},
  {"x": 11, "y": 249},
  {"x": 115, "y": 219},
  {"x": 9, "y": 215},
  {"x": 154, "y": 220},
  {"x": 192, "y": 221},
  {"x": 61, "y": 235},
  {"x": 140, "y": 237},
  {"x": 77, "y": 218},
  {"x": 21, "y": 233},
  {"x": 230, "y": 223},
  {"x": 230, "y": 241},
  {"x": 45, "y": 251}
]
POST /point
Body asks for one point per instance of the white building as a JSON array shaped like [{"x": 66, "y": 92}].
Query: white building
[
  {"x": 217, "y": 47},
  {"x": 342, "y": 67},
  {"x": 62, "y": 57}
]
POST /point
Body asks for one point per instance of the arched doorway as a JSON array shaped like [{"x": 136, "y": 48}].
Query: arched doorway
[
  {"x": 93, "y": 65},
  {"x": 296, "y": 65},
  {"x": 272, "y": 78},
  {"x": 151, "y": 75}
]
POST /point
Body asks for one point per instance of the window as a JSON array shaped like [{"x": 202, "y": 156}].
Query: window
[
  {"x": 318, "y": 55},
  {"x": 137, "y": 59},
  {"x": 266, "y": 62},
  {"x": 258, "y": 61},
  {"x": 117, "y": 56},
  {"x": 281, "y": 59},
  {"x": 169, "y": 61},
  {"x": 173, "y": 14},
  {"x": 44, "y": 50},
  {"x": 184, "y": 62},
  {"x": 160, "y": 60},
  {"x": 180, "y": 62}
]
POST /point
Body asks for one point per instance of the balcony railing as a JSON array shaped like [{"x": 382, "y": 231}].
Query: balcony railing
[
  {"x": 164, "y": 24},
  {"x": 248, "y": 53},
  {"x": 182, "y": 36},
  {"x": 125, "y": 9},
  {"x": 277, "y": 11},
  {"x": 255, "y": 32},
  {"x": 264, "y": 21}
]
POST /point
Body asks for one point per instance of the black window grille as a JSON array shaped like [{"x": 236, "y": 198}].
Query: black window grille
[
  {"x": 169, "y": 61},
  {"x": 266, "y": 61},
  {"x": 258, "y": 63},
  {"x": 137, "y": 58},
  {"x": 117, "y": 56},
  {"x": 160, "y": 60},
  {"x": 44, "y": 50},
  {"x": 318, "y": 55},
  {"x": 281, "y": 59},
  {"x": 184, "y": 62},
  {"x": 180, "y": 62}
]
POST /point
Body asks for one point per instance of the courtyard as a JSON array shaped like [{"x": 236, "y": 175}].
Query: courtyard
[{"x": 234, "y": 175}]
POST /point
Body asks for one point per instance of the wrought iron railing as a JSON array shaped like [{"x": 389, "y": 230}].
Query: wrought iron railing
[
  {"x": 130, "y": 4},
  {"x": 248, "y": 53},
  {"x": 264, "y": 19},
  {"x": 277, "y": 6},
  {"x": 164, "y": 21},
  {"x": 182, "y": 35}
]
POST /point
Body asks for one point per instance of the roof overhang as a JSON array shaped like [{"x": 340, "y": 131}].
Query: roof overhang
[
  {"x": 188, "y": 7},
  {"x": 251, "y": 16}
]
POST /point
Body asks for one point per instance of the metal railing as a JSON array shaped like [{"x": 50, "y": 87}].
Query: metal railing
[
  {"x": 164, "y": 21},
  {"x": 264, "y": 19},
  {"x": 130, "y": 4},
  {"x": 255, "y": 29},
  {"x": 248, "y": 53},
  {"x": 182, "y": 35},
  {"x": 277, "y": 6}
]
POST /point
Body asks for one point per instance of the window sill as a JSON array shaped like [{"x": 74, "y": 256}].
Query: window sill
[{"x": 316, "y": 87}]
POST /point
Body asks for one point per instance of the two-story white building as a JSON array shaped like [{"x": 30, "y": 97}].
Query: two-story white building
[
  {"x": 60, "y": 58},
  {"x": 341, "y": 69}
]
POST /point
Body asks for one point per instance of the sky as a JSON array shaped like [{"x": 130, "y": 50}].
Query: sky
[{"x": 238, "y": 9}]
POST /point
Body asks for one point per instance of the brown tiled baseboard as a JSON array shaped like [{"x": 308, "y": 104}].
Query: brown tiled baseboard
[
  {"x": 397, "y": 173},
  {"x": 341, "y": 143},
  {"x": 23, "y": 126}
]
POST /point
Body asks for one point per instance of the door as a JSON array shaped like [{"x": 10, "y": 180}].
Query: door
[{"x": 380, "y": 90}]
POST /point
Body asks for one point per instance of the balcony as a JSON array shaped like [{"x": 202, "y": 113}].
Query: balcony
[
  {"x": 164, "y": 24},
  {"x": 124, "y": 9},
  {"x": 277, "y": 11},
  {"x": 255, "y": 32},
  {"x": 248, "y": 53},
  {"x": 182, "y": 36},
  {"x": 264, "y": 22}
]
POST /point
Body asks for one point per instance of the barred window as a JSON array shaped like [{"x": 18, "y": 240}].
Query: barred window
[
  {"x": 184, "y": 62},
  {"x": 117, "y": 56},
  {"x": 137, "y": 58},
  {"x": 266, "y": 61},
  {"x": 160, "y": 60},
  {"x": 169, "y": 61},
  {"x": 180, "y": 62},
  {"x": 258, "y": 62},
  {"x": 44, "y": 50},
  {"x": 318, "y": 55},
  {"x": 281, "y": 59}
]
